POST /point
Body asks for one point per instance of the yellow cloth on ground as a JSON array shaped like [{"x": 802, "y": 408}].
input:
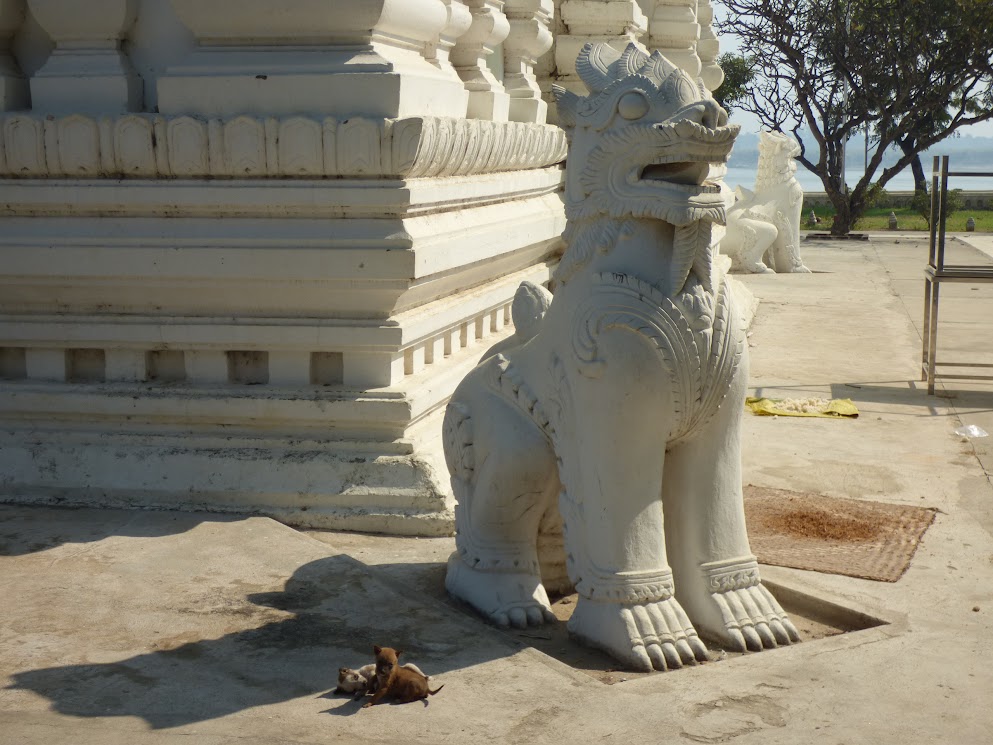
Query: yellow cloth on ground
[{"x": 837, "y": 407}]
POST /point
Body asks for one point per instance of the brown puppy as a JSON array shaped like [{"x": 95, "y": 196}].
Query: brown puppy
[{"x": 401, "y": 683}]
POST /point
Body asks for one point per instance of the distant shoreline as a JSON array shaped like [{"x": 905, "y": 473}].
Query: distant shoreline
[
  {"x": 904, "y": 181},
  {"x": 971, "y": 198}
]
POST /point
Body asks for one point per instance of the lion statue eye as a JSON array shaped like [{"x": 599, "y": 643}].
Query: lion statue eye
[{"x": 633, "y": 105}]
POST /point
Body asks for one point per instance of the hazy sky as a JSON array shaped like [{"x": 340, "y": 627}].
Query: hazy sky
[{"x": 749, "y": 123}]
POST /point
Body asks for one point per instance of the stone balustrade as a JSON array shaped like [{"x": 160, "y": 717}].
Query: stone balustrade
[
  {"x": 88, "y": 70},
  {"x": 439, "y": 51},
  {"x": 616, "y": 22},
  {"x": 487, "y": 97},
  {"x": 529, "y": 38},
  {"x": 13, "y": 85},
  {"x": 708, "y": 47},
  {"x": 673, "y": 30},
  {"x": 223, "y": 58},
  {"x": 682, "y": 30}
]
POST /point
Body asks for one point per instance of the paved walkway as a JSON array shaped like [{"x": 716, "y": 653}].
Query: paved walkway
[{"x": 139, "y": 627}]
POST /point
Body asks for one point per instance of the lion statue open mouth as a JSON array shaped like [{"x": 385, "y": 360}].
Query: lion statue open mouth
[{"x": 599, "y": 449}]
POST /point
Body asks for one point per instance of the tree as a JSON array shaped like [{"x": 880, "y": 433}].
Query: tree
[
  {"x": 921, "y": 203},
  {"x": 933, "y": 122},
  {"x": 911, "y": 71},
  {"x": 738, "y": 75}
]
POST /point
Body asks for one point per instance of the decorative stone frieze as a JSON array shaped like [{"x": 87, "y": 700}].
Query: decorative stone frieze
[
  {"x": 13, "y": 85},
  {"x": 487, "y": 97},
  {"x": 87, "y": 71},
  {"x": 708, "y": 47},
  {"x": 528, "y": 40},
  {"x": 348, "y": 57},
  {"x": 151, "y": 146}
]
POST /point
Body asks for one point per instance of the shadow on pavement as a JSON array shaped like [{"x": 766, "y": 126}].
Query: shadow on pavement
[
  {"x": 24, "y": 530},
  {"x": 329, "y": 615}
]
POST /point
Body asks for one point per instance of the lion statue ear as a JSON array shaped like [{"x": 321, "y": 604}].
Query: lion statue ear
[
  {"x": 593, "y": 65},
  {"x": 568, "y": 102}
]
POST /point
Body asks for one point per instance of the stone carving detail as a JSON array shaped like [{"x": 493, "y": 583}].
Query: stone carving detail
[
  {"x": 300, "y": 142},
  {"x": 620, "y": 398},
  {"x": 763, "y": 227},
  {"x": 736, "y": 574},
  {"x": 152, "y": 146},
  {"x": 24, "y": 146},
  {"x": 79, "y": 146}
]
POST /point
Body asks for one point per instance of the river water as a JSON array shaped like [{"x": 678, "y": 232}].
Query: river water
[{"x": 901, "y": 182}]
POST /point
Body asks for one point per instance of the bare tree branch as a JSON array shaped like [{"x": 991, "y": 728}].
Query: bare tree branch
[{"x": 910, "y": 72}]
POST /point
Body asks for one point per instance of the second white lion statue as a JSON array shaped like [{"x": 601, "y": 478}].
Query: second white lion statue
[{"x": 763, "y": 226}]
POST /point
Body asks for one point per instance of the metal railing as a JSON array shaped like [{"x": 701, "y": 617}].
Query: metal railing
[{"x": 937, "y": 271}]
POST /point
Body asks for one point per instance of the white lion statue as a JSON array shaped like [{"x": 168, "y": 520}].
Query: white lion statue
[
  {"x": 620, "y": 398},
  {"x": 763, "y": 226}
]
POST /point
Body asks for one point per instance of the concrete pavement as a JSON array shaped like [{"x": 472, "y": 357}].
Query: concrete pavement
[{"x": 144, "y": 627}]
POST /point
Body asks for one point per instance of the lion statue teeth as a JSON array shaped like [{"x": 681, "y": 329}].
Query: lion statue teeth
[{"x": 599, "y": 448}]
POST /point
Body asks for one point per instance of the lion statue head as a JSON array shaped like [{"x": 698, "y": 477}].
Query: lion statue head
[{"x": 643, "y": 140}]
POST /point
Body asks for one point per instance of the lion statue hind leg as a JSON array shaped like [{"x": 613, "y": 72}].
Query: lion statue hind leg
[{"x": 505, "y": 481}]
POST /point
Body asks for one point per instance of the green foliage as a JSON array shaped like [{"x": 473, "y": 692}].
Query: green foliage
[
  {"x": 908, "y": 219},
  {"x": 738, "y": 74},
  {"x": 921, "y": 204},
  {"x": 877, "y": 196}
]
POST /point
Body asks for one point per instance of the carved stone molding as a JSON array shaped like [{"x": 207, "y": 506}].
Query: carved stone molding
[
  {"x": 153, "y": 146},
  {"x": 13, "y": 84},
  {"x": 733, "y": 574},
  {"x": 529, "y": 39},
  {"x": 88, "y": 70}
]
